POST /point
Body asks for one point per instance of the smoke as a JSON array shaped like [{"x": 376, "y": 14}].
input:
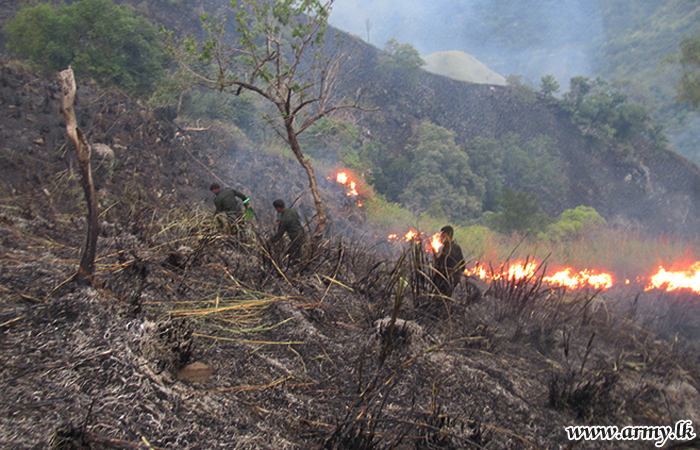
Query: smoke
[{"x": 532, "y": 38}]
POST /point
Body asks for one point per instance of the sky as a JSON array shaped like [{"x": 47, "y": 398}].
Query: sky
[{"x": 531, "y": 38}]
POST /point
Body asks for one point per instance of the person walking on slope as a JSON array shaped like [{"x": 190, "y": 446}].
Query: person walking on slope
[
  {"x": 228, "y": 211},
  {"x": 289, "y": 223},
  {"x": 448, "y": 263}
]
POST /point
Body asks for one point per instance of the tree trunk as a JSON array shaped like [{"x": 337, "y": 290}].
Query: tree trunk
[
  {"x": 82, "y": 148},
  {"x": 321, "y": 217}
]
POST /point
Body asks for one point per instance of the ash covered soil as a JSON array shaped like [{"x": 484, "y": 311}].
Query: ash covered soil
[{"x": 191, "y": 339}]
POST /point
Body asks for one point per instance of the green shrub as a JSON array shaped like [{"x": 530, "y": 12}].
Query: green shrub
[
  {"x": 401, "y": 61},
  {"x": 603, "y": 111},
  {"x": 96, "y": 38},
  {"x": 572, "y": 222},
  {"x": 520, "y": 213}
]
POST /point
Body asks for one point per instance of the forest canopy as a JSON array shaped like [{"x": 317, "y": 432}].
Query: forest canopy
[{"x": 97, "y": 38}]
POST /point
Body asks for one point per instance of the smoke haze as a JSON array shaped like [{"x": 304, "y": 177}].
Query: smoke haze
[{"x": 512, "y": 37}]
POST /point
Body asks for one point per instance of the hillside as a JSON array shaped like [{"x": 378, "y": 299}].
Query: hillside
[
  {"x": 635, "y": 183},
  {"x": 192, "y": 340},
  {"x": 462, "y": 67}
]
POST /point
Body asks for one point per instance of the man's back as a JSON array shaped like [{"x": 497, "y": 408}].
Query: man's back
[
  {"x": 449, "y": 265},
  {"x": 289, "y": 223},
  {"x": 225, "y": 200}
]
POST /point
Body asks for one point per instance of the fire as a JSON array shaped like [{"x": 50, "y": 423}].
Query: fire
[
  {"x": 435, "y": 243},
  {"x": 344, "y": 179},
  {"x": 566, "y": 277},
  {"x": 581, "y": 279},
  {"x": 671, "y": 281},
  {"x": 412, "y": 234}
]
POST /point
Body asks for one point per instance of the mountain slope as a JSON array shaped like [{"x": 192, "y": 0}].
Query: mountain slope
[{"x": 462, "y": 67}]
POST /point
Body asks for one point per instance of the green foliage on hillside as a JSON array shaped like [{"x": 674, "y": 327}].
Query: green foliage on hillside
[
  {"x": 401, "y": 61},
  {"x": 433, "y": 174},
  {"x": 689, "y": 86},
  {"x": 520, "y": 213},
  {"x": 601, "y": 110},
  {"x": 572, "y": 223},
  {"x": 98, "y": 39},
  {"x": 639, "y": 36},
  {"x": 549, "y": 85},
  {"x": 529, "y": 166},
  {"x": 520, "y": 91}
]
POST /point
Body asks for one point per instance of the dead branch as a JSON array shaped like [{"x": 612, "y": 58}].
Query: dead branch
[{"x": 82, "y": 148}]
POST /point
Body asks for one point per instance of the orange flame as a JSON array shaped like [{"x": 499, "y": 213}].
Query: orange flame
[
  {"x": 435, "y": 243},
  {"x": 671, "y": 281},
  {"x": 412, "y": 234},
  {"x": 344, "y": 179},
  {"x": 579, "y": 280},
  {"x": 521, "y": 270},
  {"x": 563, "y": 278}
]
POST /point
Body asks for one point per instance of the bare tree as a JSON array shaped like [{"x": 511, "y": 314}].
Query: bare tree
[
  {"x": 82, "y": 148},
  {"x": 279, "y": 55}
]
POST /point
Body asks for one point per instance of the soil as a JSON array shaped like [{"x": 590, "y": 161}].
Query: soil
[{"x": 192, "y": 339}]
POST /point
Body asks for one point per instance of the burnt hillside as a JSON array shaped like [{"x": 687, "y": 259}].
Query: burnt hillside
[{"x": 191, "y": 339}]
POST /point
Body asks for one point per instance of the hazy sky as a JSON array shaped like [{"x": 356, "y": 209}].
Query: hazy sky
[{"x": 513, "y": 37}]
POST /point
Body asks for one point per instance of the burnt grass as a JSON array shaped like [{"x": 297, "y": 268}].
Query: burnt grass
[{"x": 193, "y": 339}]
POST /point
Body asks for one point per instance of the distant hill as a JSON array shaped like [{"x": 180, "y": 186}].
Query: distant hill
[{"x": 461, "y": 66}]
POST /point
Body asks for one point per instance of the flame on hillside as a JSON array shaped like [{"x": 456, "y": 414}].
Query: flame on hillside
[
  {"x": 672, "y": 281},
  {"x": 344, "y": 179},
  {"x": 435, "y": 243},
  {"x": 408, "y": 237},
  {"x": 567, "y": 277}
]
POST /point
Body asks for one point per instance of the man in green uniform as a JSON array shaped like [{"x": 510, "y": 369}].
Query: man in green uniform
[
  {"x": 227, "y": 205},
  {"x": 448, "y": 264},
  {"x": 290, "y": 224}
]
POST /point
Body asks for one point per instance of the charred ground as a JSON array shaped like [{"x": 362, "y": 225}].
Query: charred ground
[{"x": 194, "y": 340}]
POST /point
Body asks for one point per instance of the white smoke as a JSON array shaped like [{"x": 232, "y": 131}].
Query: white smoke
[{"x": 532, "y": 38}]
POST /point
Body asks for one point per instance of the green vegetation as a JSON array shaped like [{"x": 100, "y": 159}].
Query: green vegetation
[
  {"x": 214, "y": 105},
  {"x": 521, "y": 92},
  {"x": 602, "y": 110},
  {"x": 431, "y": 174},
  {"x": 401, "y": 61},
  {"x": 100, "y": 40},
  {"x": 639, "y": 37},
  {"x": 529, "y": 166},
  {"x": 572, "y": 223},
  {"x": 520, "y": 214},
  {"x": 689, "y": 86},
  {"x": 549, "y": 85}
]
